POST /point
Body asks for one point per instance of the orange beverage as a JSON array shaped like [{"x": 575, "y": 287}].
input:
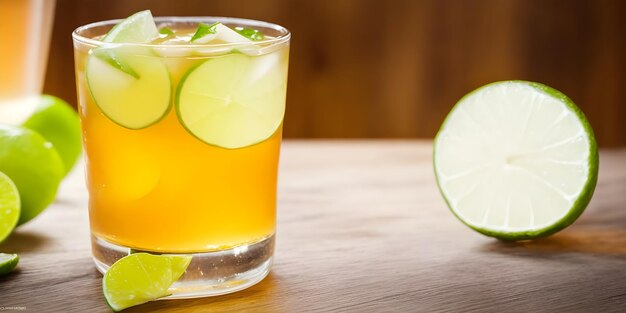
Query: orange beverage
[{"x": 182, "y": 139}]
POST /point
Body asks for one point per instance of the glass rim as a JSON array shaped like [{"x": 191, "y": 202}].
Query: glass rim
[{"x": 284, "y": 37}]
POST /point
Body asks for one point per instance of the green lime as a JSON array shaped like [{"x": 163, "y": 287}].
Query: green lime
[
  {"x": 137, "y": 28},
  {"x": 233, "y": 101},
  {"x": 33, "y": 165},
  {"x": 130, "y": 84},
  {"x": 516, "y": 160},
  {"x": 51, "y": 117},
  {"x": 58, "y": 123},
  {"x": 142, "y": 277},
  {"x": 9, "y": 206},
  {"x": 8, "y": 262}
]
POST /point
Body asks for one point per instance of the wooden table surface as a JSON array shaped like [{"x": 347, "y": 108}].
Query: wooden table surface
[{"x": 362, "y": 228}]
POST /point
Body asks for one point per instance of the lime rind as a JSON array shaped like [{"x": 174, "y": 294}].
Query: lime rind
[
  {"x": 579, "y": 204},
  {"x": 9, "y": 206},
  {"x": 8, "y": 262}
]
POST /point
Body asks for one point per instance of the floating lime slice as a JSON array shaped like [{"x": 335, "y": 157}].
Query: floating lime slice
[
  {"x": 137, "y": 28},
  {"x": 130, "y": 84},
  {"x": 233, "y": 101},
  {"x": 130, "y": 102},
  {"x": 142, "y": 277},
  {"x": 9, "y": 206},
  {"x": 516, "y": 160},
  {"x": 8, "y": 262}
]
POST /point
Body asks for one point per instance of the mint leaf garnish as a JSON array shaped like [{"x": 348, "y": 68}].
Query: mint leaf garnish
[
  {"x": 203, "y": 30},
  {"x": 250, "y": 33}
]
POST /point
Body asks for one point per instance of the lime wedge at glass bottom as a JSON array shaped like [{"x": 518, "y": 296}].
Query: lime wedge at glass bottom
[
  {"x": 233, "y": 101},
  {"x": 137, "y": 28},
  {"x": 9, "y": 206},
  {"x": 516, "y": 160},
  {"x": 131, "y": 102},
  {"x": 8, "y": 262},
  {"x": 142, "y": 277}
]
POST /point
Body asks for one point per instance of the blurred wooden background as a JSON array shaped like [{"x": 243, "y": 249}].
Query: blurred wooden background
[{"x": 394, "y": 68}]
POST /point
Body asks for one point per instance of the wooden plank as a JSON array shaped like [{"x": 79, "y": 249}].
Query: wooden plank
[
  {"x": 362, "y": 69},
  {"x": 362, "y": 228}
]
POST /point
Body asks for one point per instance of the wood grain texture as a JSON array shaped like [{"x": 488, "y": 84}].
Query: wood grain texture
[
  {"x": 362, "y": 228},
  {"x": 381, "y": 69}
]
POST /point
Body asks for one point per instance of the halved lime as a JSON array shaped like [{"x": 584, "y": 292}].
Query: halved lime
[
  {"x": 233, "y": 101},
  {"x": 516, "y": 160},
  {"x": 9, "y": 206},
  {"x": 8, "y": 262},
  {"x": 142, "y": 277},
  {"x": 130, "y": 84}
]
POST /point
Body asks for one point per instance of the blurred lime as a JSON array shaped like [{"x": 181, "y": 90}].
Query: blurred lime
[
  {"x": 142, "y": 277},
  {"x": 58, "y": 123},
  {"x": 8, "y": 262},
  {"x": 33, "y": 165},
  {"x": 9, "y": 206}
]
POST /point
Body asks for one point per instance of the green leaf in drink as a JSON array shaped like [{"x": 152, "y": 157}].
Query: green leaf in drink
[
  {"x": 110, "y": 57},
  {"x": 166, "y": 31},
  {"x": 516, "y": 160},
  {"x": 204, "y": 33},
  {"x": 250, "y": 33}
]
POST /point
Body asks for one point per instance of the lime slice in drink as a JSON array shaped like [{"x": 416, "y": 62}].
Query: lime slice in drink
[
  {"x": 142, "y": 277},
  {"x": 137, "y": 28},
  {"x": 130, "y": 84},
  {"x": 8, "y": 262},
  {"x": 516, "y": 160},
  {"x": 131, "y": 102},
  {"x": 233, "y": 101},
  {"x": 9, "y": 206}
]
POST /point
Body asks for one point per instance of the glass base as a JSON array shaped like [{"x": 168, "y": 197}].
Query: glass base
[{"x": 209, "y": 273}]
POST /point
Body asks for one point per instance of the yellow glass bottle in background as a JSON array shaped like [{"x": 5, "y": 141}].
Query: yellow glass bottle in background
[{"x": 26, "y": 26}]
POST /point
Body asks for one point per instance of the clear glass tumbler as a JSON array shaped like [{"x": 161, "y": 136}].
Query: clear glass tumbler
[{"x": 181, "y": 145}]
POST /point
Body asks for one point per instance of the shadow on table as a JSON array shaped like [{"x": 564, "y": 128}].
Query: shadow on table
[
  {"x": 253, "y": 298},
  {"x": 589, "y": 241},
  {"x": 23, "y": 241},
  {"x": 600, "y": 233}
]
